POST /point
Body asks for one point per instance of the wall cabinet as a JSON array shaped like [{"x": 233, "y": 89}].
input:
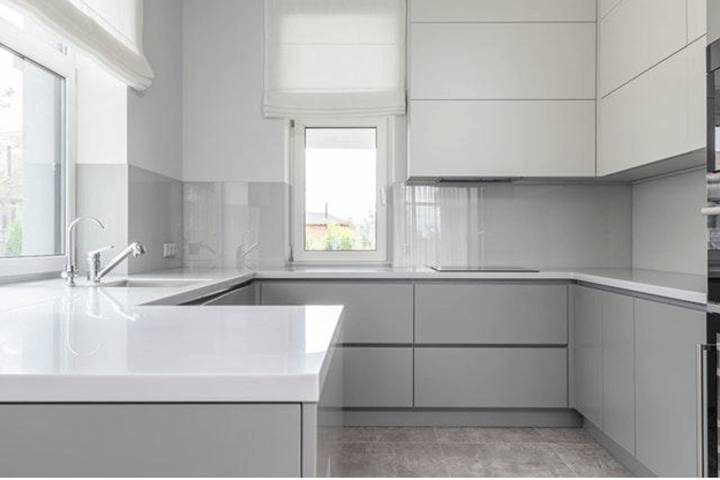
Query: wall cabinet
[
  {"x": 666, "y": 337},
  {"x": 467, "y": 138},
  {"x": 502, "y": 10},
  {"x": 658, "y": 115},
  {"x": 501, "y": 89},
  {"x": 501, "y": 61},
  {"x": 636, "y": 35}
]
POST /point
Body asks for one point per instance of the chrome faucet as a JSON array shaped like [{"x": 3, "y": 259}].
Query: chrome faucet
[
  {"x": 70, "y": 270},
  {"x": 95, "y": 273}
]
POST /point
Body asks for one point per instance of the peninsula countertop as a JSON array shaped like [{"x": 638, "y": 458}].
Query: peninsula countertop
[{"x": 101, "y": 344}]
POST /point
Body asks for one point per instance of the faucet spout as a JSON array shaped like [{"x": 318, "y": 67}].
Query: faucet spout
[
  {"x": 70, "y": 269},
  {"x": 135, "y": 249}
]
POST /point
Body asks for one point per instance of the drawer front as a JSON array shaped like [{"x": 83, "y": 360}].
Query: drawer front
[
  {"x": 377, "y": 377},
  {"x": 491, "y": 314},
  {"x": 491, "y": 377},
  {"x": 240, "y": 296},
  {"x": 377, "y": 312}
]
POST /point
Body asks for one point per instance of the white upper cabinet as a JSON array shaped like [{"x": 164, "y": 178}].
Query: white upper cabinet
[
  {"x": 659, "y": 115},
  {"x": 651, "y": 71},
  {"x": 501, "y": 88},
  {"x": 606, "y": 6},
  {"x": 502, "y": 61},
  {"x": 697, "y": 19},
  {"x": 502, "y": 10},
  {"x": 514, "y": 138},
  {"x": 636, "y": 35}
]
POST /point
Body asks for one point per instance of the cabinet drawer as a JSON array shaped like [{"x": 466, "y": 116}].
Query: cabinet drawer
[
  {"x": 240, "y": 296},
  {"x": 377, "y": 377},
  {"x": 491, "y": 314},
  {"x": 377, "y": 312},
  {"x": 491, "y": 377}
]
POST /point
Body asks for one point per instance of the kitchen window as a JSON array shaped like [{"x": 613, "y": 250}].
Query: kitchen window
[
  {"x": 36, "y": 85},
  {"x": 340, "y": 175}
]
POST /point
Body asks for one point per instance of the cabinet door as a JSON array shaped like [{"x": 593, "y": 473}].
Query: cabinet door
[
  {"x": 483, "y": 138},
  {"x": 375, "y": 312},
  {"x": 666, "y": 339},
  {"x": 587, "y": 353},
  {"x": 462, "y": 61},
  {"x": 377, "y": 377},
  {"x": 618, "y": 405},
  {"x": 490, "y": 314},
  {"x": 658, "y": 115},
  {"x": 502, "y": 11},
  {"x": 491, "y": 377},
  {"x": 636, "y": 35}
]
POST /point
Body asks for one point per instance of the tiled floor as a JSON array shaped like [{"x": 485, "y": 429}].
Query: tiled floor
[{"x": 471, "y": 452}]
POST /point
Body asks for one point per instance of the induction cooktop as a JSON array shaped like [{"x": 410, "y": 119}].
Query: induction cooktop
[{"x": 479, "y": 268}]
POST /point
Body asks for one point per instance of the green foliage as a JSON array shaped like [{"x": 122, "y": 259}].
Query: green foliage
[{"x": 13, "y": 246}]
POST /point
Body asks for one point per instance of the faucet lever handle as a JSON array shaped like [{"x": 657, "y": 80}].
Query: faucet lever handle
[{"x": 93, "y": 253}]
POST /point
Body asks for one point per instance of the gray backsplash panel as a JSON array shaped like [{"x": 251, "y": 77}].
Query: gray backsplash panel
[
  {"x": 668, "y": 230},
  {"x": 222, "y": 220},
  {"x": 102, "y": 192},
  {"x": 155, "y": 218},
  {"x": 537, "y": 225}
]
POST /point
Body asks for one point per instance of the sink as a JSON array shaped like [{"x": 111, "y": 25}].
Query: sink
[{"x": 150, "y": 283}]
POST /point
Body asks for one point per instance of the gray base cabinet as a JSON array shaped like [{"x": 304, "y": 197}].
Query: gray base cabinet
[
  {"x": 635, "y": 375},
  {"x": 476, "y": 313},
  {"x": 375, "y": 312},
  {"x": 618, "y": 404},
  {"x": 491, "y": 377},
  {"x": 587, "y": 353},
  {"x": 150, "y": 440},
  {"x": 377, "y": 377},
  {"x": 666, "y": 338}
]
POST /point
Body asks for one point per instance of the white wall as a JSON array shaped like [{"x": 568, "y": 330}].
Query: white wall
[
  {"x": 154, "y": 117},
  {"x": 668, "y": 232},
  {"x": 225, "y": 136}
]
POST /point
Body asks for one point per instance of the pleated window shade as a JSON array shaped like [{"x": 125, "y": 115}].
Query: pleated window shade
[{"x": 334, "y": 58}]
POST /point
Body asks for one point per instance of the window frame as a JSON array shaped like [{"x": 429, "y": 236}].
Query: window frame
[
  {"x": 299, "y": 255},
  {"x": 62, "y": 64}
]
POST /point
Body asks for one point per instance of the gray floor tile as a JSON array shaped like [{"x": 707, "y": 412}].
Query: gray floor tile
[
  {"x": 504, "y": 460},
  {"x": 589, "y": 460},
  {"x": 470, "y": 452},
  {"x": 564, "y": 435},
  {"x": 407, "y": 434}
]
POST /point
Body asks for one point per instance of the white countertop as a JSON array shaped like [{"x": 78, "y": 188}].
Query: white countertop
[
  {"x": 674, "y": 286},
  {"x": 60, "y": 344},
  {"x": 134, "y": 344}
]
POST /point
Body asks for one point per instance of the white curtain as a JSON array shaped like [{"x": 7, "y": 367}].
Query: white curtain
[
  {"x": 110, "y": 31},
  {"x": 334, "y": 58}
]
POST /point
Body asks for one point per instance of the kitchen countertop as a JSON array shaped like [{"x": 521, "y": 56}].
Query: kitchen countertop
[
  {"x": 674, "y": 286},
  {"x": 85, "y": 344},
  {"x": 134, "y": 344}
]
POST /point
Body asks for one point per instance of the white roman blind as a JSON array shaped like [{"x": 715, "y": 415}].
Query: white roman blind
[
  {"x": 110, "y": 31},
  {"x": 334, "y": 58}
]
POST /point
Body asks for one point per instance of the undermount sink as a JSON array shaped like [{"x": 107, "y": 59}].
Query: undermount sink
[{"x": 149, "y": 283}]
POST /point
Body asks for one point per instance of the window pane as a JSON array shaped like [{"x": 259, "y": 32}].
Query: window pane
[
  {"x": 340, "y": 189},
  {"x": 31, "y": 158}
]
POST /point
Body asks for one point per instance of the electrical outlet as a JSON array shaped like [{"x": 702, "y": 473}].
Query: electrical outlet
[{"x": 169, "y": 250}]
